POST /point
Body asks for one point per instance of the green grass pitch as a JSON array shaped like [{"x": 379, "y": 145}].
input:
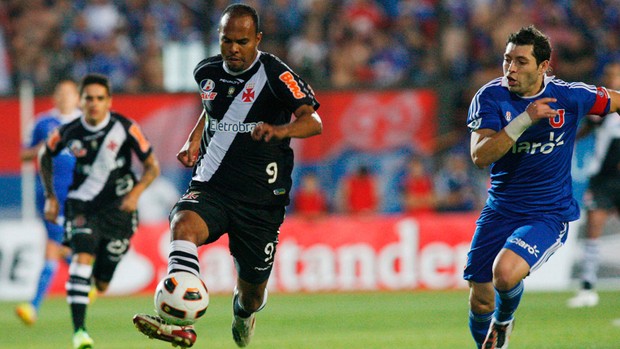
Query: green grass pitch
[{"x": 419, "y": 319}]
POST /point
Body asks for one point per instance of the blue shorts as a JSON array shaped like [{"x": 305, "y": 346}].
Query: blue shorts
[
  {"x": 55, "y": 232},
  {"x": 535, "y": 239}
]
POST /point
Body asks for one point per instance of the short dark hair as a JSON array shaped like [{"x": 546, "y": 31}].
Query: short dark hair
[
  {"x": 97, "y": 79},
  {"x": 239, "y": 10},
  {"x": 531, "y": 36}
]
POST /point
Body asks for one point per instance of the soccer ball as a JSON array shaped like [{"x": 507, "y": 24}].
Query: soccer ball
[{"x": 181, "y": 298}]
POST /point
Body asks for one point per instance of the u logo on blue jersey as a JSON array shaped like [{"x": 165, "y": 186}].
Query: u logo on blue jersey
[{"x": 558, "y": 120}]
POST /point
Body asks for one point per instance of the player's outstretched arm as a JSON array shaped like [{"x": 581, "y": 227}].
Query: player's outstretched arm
[
  {"x": 307, "y": 123},
  {"x": 31, "y": 153},
  {"x": 614, "y": 101},
  {"x": 189, "y": 151},
  {"x": 488, "y": 146}
]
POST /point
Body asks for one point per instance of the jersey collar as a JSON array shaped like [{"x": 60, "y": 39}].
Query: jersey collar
[{"x": 99, "y": 127}]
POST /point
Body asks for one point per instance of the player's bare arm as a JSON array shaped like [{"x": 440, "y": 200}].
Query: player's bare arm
[
  {"x": 29, "y": 154},
  {"x": 189, "y": 152},
  {"x": 150, "y": 172},
  {"x": 307, "y": 123},
  {"x": 614, "y": 97},
  {"x": 45, "y": 171},
  {"x": 488, "y": 146}
]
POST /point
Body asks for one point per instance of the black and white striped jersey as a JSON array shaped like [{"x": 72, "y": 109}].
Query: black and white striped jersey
[
  {"x": 606, "y": 160},
  {"x": 230, "y": 161},
  {"x": 103, "y": 153}
]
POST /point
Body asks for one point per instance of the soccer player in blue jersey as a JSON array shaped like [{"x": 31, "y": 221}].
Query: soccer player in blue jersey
[
  {"x": 523, "y": 126},
  {"x": 66, "y": 100}
]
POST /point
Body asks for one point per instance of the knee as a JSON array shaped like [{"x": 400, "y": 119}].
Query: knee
[{"x": 505, "y": 277}]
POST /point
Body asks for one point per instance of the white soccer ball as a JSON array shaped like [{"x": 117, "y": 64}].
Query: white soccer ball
[{"x": 181, "y": 298}]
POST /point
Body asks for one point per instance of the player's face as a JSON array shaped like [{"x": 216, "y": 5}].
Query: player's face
[
  {"x": 238, "y": 42},
  {"x": 66, "y": 97},
  {"x": 525, "y": 78},
  {"x": 611, "y": 78},
  {"x": 95, "y": 102}
]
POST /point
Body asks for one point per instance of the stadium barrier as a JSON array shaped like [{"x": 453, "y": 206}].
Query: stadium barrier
[{"x": 334, "y": 253}]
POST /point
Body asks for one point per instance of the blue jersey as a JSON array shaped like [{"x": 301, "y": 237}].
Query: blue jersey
[
  {"x": 533, "y": 178},
  {"x": 63, "y": 164}
]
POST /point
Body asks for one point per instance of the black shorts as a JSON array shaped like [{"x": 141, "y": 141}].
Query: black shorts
[
  {"x": 104, "y": 233},
  {"x": 252, "y": 230},
  {"x": 603, "y": 193}
]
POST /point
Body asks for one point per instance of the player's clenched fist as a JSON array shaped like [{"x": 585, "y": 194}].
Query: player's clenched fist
[{"x": 266, "y": 132}]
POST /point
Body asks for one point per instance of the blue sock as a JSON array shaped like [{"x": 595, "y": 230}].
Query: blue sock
[
  {"x": 506, "y": 302},
  {"x": 45, "y": 279},
  {"x": 479, "y": 326}
]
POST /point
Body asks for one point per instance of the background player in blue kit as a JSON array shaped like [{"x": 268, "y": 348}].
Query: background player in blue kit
[
  {"x": 101, "y": 206},
  {"x": 602, "y": 198},
  {"x": 66, "y": 100},
  {"x": 240, "y": 150},
  {"x": 523, "y": 126}
]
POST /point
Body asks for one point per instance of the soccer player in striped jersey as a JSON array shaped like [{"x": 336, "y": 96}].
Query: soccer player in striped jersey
[
  {"x": 602, "y": 198},
  {"x": 66, "y": 100},
  {"x": 101, "y": 206},
  {"x": 523, "y": 127},
  {"x": 242, "y": 164}
]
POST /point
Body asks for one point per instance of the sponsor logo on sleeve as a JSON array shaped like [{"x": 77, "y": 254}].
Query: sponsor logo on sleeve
[
  {"x": 292, "y": 85},
  {"x": 206, "y": 90},
  {"x": 77, "y": 148}
]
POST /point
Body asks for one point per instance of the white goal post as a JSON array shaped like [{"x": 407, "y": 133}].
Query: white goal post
[{"x": 28, "y": 170}]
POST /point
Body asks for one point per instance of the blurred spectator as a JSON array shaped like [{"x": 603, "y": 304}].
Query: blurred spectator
[
  {"x": 417, "y": 188},
  {"x": 365, "y": 17},
  {"x": 308, "y": 52},
  {"x": 102, "y": 18},
  {"x": 358, "y": 192},
  {"x": 455, "y": 185},
  {"x": 310, "y": 201},
  {"x": 350, "y": 68},
  {"x": 389, "y": 61},
  {"x": 5, "y": 63}
]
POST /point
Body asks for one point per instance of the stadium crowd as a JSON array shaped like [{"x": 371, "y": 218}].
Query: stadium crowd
[
  {"x": 335, "y": 44},
  {"x": 352, "y": 44}
]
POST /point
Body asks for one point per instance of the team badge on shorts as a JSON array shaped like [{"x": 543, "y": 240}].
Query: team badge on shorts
[{"x": 192, "y": 196}]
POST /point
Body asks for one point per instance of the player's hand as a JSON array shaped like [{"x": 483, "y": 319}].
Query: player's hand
[
  {"x": 266, "y": 132},
  {"x": 540, "y": 109},
  {"x": 188, "y": 154},
  {"x": 129, "y": 203},
  {"x": 51, "y": 209}
]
